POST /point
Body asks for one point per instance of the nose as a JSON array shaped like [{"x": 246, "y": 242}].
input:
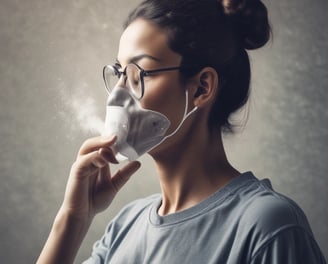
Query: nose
[
  {"x": 119, "y": 97},
  {"x": 122, "y": 81}
]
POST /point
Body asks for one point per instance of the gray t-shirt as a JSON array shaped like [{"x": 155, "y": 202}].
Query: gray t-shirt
[{"x": 246, "y": 221}]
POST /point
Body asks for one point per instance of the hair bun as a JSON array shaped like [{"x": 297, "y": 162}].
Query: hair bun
[{"x": 250, "y": 19}]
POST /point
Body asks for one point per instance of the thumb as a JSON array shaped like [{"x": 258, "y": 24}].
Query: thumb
[{"x": 124, "y": 174}]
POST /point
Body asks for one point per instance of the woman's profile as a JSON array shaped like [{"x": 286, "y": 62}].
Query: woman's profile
[{"x": 181, "y": 71}]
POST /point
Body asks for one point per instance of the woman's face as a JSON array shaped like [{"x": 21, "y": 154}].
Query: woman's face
[{"x": 146, "y": 44}]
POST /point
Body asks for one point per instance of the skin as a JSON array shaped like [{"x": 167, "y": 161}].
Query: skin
[{"x": 191, "y": 164}]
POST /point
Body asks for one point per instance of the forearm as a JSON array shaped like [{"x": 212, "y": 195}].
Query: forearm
[
  {"x": 90, "y": 189},
  {"x": 64, "y": 240}
]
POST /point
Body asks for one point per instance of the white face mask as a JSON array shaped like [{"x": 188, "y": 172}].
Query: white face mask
[{"x": 138, "y": 130}]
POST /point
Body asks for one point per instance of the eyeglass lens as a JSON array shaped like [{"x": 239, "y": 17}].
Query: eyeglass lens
[{"x": 133, "y": 82}]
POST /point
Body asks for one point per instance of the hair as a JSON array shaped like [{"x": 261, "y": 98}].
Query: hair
[{"x": 212, "y": 33}]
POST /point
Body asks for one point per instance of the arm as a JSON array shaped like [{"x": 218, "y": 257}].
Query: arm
[
  {"x": 64, "y": 240},
  {"x": 90, "y": 189}
]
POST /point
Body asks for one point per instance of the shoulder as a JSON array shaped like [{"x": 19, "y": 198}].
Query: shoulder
[
  {"x": 281, "y": 231},
  {"x": 271, "y": 211},
  {"x": 135, "y": 208},
  {"x": 273, "y": 225},
  {"x": 127, "y": 217}
]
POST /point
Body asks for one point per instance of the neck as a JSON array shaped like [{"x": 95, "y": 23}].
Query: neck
[{"x": 194, "y": 169}]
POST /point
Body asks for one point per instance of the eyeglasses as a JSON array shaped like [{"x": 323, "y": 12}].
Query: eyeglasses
[{"x": 134, "y": 77}]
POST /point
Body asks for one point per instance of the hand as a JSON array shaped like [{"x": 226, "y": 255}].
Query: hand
[{"x": 91, "y": 188}]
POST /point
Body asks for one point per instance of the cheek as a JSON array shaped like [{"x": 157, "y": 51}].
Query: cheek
[{"x": 165, "y": 96}]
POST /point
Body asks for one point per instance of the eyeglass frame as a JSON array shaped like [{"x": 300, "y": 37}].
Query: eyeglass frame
[{"x": 142, "y": 74}]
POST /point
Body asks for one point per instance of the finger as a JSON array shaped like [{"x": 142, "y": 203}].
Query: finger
[
  {"x": 108, "y": 154},
  {"x": 123, "y": 174},
  {"x": 104, "y": 175},
  {"x": 95, "y": 143},
  {"x": 88, "y": 164},
  {"x": 104, "y": 178}
]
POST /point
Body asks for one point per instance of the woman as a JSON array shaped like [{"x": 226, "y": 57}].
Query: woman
[{"x": 184, "y": 62}]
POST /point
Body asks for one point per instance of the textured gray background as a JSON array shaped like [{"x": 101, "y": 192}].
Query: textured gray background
[{"x": 51, "y": 57}]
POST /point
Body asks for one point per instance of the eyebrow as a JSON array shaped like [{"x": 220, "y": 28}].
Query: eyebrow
[{"x": 137, "y": 58}]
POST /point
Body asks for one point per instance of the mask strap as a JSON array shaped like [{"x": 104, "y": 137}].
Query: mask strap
[{"x": 185, "y": 116}]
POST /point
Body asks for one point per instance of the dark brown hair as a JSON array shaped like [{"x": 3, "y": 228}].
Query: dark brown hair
[{"x": 216, "y": 34}]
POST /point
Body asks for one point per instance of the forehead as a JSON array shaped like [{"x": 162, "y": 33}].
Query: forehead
[{"x": 143, "y": 37}]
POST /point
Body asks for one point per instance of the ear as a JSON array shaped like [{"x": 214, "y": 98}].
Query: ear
[{"x": 207, "y": 81}]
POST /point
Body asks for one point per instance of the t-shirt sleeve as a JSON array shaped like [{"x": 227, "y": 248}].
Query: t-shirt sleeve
[
  {"x": 290, "y": 246},
  {"x": 116, "y": 231},
  {"x": 100, "y": 248},
  {"x": 113, "y": 231}
]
